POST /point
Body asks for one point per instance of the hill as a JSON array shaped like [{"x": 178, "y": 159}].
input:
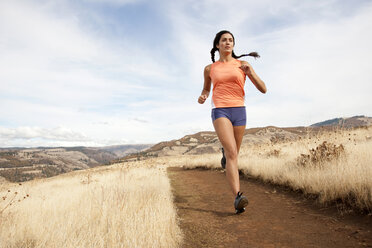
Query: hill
[
  {"x": 23, "y": 164},
  {"x": 355, "y": 121},
  {"x": 207, "y": 142}
]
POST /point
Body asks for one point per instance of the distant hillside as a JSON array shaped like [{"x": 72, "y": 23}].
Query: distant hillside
[
  {"x": 122, "y": 150},
  {"x": 355, "y": 121},
  {"x": 207, "y": 142},
  {"x": 22, "y": 164}
]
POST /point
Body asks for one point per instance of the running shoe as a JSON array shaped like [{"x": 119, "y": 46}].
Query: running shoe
[
  {"x": 223, "y": 159},
  {"x": 240, "y": 203}
]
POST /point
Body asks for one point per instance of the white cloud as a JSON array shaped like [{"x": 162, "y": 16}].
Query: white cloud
[
  {"x": 314, "y": 55},
  {"x": 56, "y": 72},
  {"x": 61, "y": 73},
  {"x": 114, "y": 2},
  {"x": 21, "y": 135},
  {"x": 56, "y": 60},
  {"x": 321, "y": 69}
]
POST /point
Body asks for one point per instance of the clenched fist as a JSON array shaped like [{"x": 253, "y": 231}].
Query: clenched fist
[
  {"x": 246, "y": 69},
  {"x": 202, "y": 99}
]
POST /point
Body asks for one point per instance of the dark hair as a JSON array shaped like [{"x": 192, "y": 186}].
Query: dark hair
[{"x": 217, "y": 40}]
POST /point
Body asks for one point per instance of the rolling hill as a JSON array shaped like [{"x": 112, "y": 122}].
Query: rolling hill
[{"x": 23, "y": 164}]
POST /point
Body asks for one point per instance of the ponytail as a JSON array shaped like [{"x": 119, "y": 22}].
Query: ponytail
[{"x": 253, "y": 54}]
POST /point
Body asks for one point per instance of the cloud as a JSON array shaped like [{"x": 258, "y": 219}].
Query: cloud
[
  {"x": 314, "y": 56},
  {"x": 140, "y": 120},
  {"x": 12, "y": 136},
  {"x": 55, "y": 71},
  {"x": 114, "y": 2},
  {"x": 91, "y": 68},
  {"x": 54, "y": 60},
  {"x": 118, "y": 132},
  {"x": 321, "y": 68}
]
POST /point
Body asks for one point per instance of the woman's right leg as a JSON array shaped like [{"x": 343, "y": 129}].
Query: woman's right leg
[{"x": 225, "y": 133}]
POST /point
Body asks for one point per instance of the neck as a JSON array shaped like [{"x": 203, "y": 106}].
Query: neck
[{"x": 225, "y": 57}]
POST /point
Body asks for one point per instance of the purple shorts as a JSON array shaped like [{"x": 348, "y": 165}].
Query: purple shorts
[{"x": 236, "y": 115}]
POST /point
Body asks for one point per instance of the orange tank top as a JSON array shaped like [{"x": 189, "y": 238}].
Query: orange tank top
[{"x": 228, "y": 84}]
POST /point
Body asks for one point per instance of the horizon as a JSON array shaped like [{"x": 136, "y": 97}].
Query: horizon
[
  {"x": 97, "y": 73},
  {"x": 177, "y": 138}
]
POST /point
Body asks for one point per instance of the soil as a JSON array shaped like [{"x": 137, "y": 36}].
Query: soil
[{"x": 275, "y": 216}]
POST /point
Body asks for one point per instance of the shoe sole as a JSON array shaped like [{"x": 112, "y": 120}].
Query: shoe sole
[
  {"x": 242, "y": 204},
  {"x": 240, "y": 211}
]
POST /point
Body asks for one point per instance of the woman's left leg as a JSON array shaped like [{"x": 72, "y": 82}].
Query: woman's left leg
[
  {"x": 226, "y": 135},
  {"x": 231, "y": 138},
  {"x": 238, "y": 134}
]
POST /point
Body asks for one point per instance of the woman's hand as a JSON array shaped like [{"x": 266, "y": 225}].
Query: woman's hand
[
  {"x": 246, "y": 68},
  {"x": 202, "y": 98}
]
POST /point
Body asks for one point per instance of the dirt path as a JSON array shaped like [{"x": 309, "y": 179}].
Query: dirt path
[{"x": 275, "y": 217}]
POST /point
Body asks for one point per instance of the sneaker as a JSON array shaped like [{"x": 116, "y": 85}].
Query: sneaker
[
  {"x": 240, "y": 203},
  {"x": 223, "y": 159}
]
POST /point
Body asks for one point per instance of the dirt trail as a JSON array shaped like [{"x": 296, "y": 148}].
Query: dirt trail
[{"x": 275, "y": 217}]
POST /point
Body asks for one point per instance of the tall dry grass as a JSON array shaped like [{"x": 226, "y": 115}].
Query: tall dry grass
[
  {"x": 345, "y": 177},
  {"x": 116, "y": 206}
]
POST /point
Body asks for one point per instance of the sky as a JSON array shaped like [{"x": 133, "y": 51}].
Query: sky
[{"x": 114, "y": 72}]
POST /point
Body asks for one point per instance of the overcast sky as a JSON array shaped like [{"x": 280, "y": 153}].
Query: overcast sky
[{"x": 107, "y": 72}]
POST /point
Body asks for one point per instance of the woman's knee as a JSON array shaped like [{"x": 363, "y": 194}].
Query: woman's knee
[{"x": 231, "y": 153}]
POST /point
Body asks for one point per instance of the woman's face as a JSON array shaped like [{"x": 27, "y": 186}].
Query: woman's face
[{"x": 226, "y": 43}]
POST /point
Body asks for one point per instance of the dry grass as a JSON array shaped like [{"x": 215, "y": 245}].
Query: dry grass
[
  {"x": 117, "y": 206},
  {"x": 131, "y": 205},
  {"x": 333, "y": 165}
]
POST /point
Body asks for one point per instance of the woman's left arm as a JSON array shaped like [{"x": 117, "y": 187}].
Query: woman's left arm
[{"x": 256, "y": 80}]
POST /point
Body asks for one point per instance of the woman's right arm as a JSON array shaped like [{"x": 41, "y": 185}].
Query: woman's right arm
[{"x": 207, "y": 85}]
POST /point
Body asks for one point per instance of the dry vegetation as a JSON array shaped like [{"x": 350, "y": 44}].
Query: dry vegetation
[
  {"x": 131, "y": 205},
  {"x": 117, "y": 206},
  {"x": 334, "y": 166}
]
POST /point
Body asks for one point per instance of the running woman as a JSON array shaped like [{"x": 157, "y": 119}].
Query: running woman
[{"x": 228, "y": 76}]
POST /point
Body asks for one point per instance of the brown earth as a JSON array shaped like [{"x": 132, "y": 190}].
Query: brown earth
[{"x": 275, "y": 216}]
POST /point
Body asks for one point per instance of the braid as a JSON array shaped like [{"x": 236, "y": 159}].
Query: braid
[
  {"x": 253, "y": 54},
  {"x": 214, "y": 49}
]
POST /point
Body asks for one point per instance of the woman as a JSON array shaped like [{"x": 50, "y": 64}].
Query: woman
[{"x": 228, "y": 111}]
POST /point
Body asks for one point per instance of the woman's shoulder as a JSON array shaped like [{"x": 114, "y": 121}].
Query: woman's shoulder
[
  {"x": 243, "y": 62},
  {"x": 207, "y": 68}
]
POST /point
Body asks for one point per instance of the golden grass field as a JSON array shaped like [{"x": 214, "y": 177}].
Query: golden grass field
[
  {"x": 131, "y": 204},
  {"x": 116, "y": 206},
  {"x": 331, "y": 173}
]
